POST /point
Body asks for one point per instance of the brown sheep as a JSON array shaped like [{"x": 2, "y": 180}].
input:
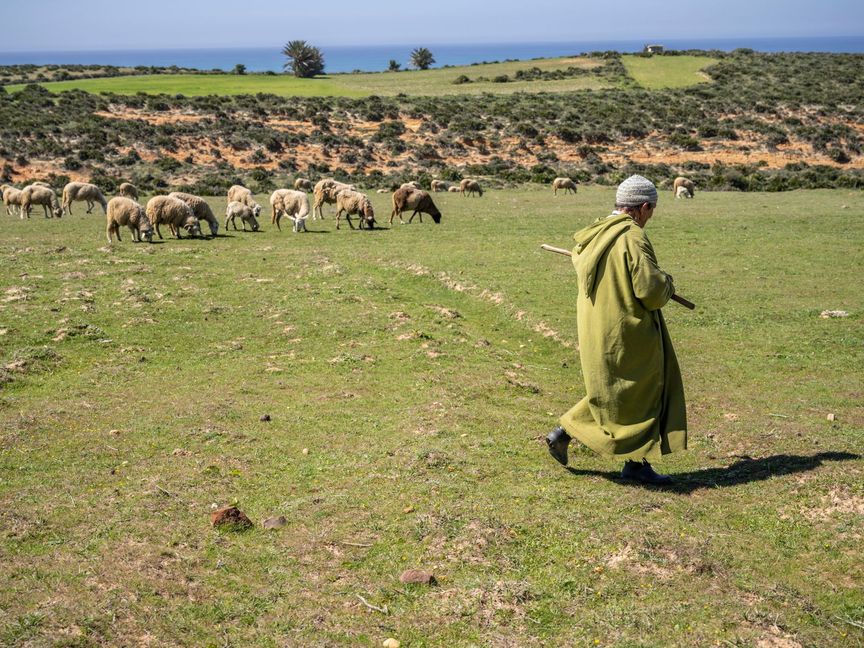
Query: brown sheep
[
  {"x": 454, "y": 189},
  {"x": 128, "y": 190},
  {"x": 125, "y": 211},
  {"x": 325, "y": 192},
  {"x": 354, "y": 202},
  {"x": 83, "y": 192},
  {"x": 173, "y": 211},
  {"x": 419, "y": 201},
  {"x": 563, "y": 183},
  {"x": 471, "y": 186},
  {"x": 200, "y": 208},
  {"x": 681, "y": 181},
  {"x": 302, "y": 184},
  {"x": 439, "y": 185},
  {"x": 40, "y": 195},
  {"x": 11, "y": 198}
]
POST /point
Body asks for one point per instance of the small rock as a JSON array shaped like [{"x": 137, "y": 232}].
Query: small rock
[
  {"x": 305, "y": 451},
  {"x": 230, "y": 517},
  {"x": 417, "y": 577},
  {"x": 832, "y": 417},
  {"x": 408, "y": 509},
  {"x": 391, "y": 643},
  {"x": 833, "y": 313},
  {"x": 275, "y": 522},
  {"x": 264, "y": 418}
]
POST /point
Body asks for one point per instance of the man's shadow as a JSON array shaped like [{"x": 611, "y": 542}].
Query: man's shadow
[{"x": 743, "y": 471}]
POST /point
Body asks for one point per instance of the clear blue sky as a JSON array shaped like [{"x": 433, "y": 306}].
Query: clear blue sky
[{"x": 156, "y": 24}]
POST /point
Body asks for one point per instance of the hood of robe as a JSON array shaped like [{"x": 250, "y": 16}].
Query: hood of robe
[{"x": 592, "y": 243}]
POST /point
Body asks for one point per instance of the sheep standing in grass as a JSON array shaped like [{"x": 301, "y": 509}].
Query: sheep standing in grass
[
  {"x": 681, "y": 181},
  {"x": 471, "y": 187},
  {"x": 325, "y": 192},
  {"x": 83, "y": 192},
  {"x": 244, "y": 212},
  {"x": 353, "y": 202},
  {"x": 292, "y": 204},
  {"x": 563, "y": 183},
  {"x": 128, "y": 190},
  {"x": 244, "y": 196},
  {"x": 125, "y": 211},
  {"x": 40, "y": 195},
  {"x": 173, "y": 212},
  {"x": 200, "y": 208},
  {"x": 11, "y": 198},
  {"x": 418, "y": 201},
  {"x": 302, "y": 184},
  {"x": 683, "y": 192},
  {"x": 439, "y": 185}
]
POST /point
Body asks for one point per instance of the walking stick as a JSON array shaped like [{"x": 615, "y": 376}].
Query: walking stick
[{"x": 676, "y": 298}]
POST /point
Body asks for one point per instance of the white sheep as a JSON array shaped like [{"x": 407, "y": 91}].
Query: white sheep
[
  {"x": 683, "y": 192},
  {"x": 382, "y": 191},
  {"x": 470, "y": 186},
  {"x": 83, "y": 192},
  {"x": 413, "y": 184},
  {"x": 454, "y": 189},
  {"x": 681, "y": 181},
  {"x": 439, "y": 185},
  {"x": 125, "y": 211},
  {"x": 200, "y": 208},
  {"x": 325, "y": 192},
  {"x": 11, "y": 198},
  {"x": 128, "y": 190},
  {"x": 40, "y": 195},
  {"x": 353, "y": 202},
  {"x": 173, "y": 212},
  {"x": 245, "y": 212},
  {"x": 243, "y": 195},
  {"x": 566, "y": 184},
  {"x": 302, "y": 184},
  {"x": 292, "y": 204}
]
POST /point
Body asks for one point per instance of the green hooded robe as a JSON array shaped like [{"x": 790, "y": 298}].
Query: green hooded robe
[{"x": 635, "y": 404}]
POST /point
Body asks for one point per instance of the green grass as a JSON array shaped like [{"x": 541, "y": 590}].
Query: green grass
[
  {"x": 420, "y": 367},
  {"x": 658, "y": 72},
  {"x": 424, "y": 82}
]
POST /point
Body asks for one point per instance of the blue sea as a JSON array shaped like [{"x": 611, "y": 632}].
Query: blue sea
[{"x": 371, "y": 58}]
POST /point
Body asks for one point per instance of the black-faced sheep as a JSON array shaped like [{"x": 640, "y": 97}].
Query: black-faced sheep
[
  {"x": 40, "y": 195},
  {"x": 173, "y": 212},
  {"x": 353, "y": 202},
  {"x": 83, "y": 192},
  {"x": 200, "y": 208},
  {"x": 681, "y": 181},
  {"x": 244, "y": 196},
  {"x": 125, "y": 211},
  {"x": 292, "y": 204},
  {"x": 244, "y": 212},
  {"x": 302, "y": 184},
  {"x": 563, "y": 183},
  {"x": 418, "y": 201},
  {"x": 128, "y": 190},
  {"x": 470, "y": 187}
]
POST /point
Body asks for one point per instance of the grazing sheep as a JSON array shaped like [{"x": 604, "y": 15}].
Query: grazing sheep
[
  {"x": 83, "y": 192},
  {"x": 354, "y": 202},
  {"x": 471, "y": 186},
  {"x": 128, "y": 190},
  {"x": 175, "y": 213},
  {"x": 411, "y": 185},
  {"x": 563, "y": 183},
  {"x": 125, "y": 211},
  {"x": 11, "y": 198},
  {"x": 419, "y": 201},
  {"x": 681, "y": 181},
  {"x": 245, "y": 212},
  {"x": 244, "y": 196},
  {"x": 382, "y": 191},
  {"x": 454, "y": 189},
  {"x": 683, "y": 192},
  {"x": 302, "y": 184},
  {"x": 291, "y": 203},
  {"x": 439, "y": 185},
  {"x": 40, "y": 195},
  {"x": 325, "y": 192},
  {"x": 200, "y": 208}
]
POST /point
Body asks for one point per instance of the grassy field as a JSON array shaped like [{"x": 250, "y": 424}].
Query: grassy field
[
  {"x": 653, "y": 72},
  {"x": 410, "y": 374},
  {"x": 658, "y": 72}
]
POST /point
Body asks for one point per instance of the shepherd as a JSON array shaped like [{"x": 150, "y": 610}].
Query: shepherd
[{"x": 634, "y": 408}]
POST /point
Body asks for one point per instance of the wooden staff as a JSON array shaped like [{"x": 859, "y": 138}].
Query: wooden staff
[{"x": 676, "y": 298}]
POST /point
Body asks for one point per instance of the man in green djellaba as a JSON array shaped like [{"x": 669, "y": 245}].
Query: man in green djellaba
[{"x": 634, "y": 408}]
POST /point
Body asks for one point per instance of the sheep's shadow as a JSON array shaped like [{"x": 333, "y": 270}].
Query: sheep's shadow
[{"x": 743, "y": 471}]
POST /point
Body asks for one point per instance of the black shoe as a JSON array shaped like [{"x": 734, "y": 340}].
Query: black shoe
[
  {"x": 557, "y": 441},
  {"x": 643, "y": 472}
]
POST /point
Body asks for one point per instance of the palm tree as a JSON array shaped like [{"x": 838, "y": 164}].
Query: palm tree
[
  {"x": 304, "y": 60},
  {"x": 394, "y": 66},
  {"x": 422, "y": 58}
]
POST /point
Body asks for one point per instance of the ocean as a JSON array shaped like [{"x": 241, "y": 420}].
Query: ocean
[{"x": 372, "y": 58}]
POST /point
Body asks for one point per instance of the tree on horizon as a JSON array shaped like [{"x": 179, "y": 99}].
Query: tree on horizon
[
  {"x": 422, "y": 58},
  {"x": 304, "y": 60},
  {"x": 394, "y": 66}
]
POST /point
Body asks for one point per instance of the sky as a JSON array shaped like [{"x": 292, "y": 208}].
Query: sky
[{"x": 60, "y": 25}]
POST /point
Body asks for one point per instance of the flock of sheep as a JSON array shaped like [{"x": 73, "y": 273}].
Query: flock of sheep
[{"x": 184, "y": 211}]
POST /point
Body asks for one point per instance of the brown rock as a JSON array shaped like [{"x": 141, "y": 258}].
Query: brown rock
[
  {"x": 417, "y": 577},
  {"x": 230, "y": 517},
  {"x": 275, "y": 522}
]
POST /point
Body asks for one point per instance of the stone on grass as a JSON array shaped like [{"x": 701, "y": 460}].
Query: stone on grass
[
  {"x": 391, "y": 643},
  {"x": 264, "y": 418},
  {"x": 417, "y": 577},
  {"x": 231, "y": 518},
  {"x": 275, "y": 522}
]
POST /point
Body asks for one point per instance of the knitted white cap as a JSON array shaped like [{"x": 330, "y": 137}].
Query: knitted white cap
[{"x": 635, "y": 191}]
